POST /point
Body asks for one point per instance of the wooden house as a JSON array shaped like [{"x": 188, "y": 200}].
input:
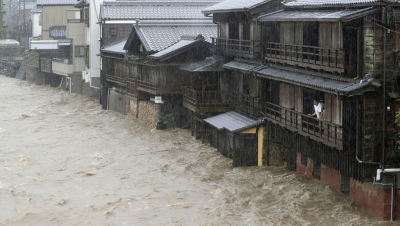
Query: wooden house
[
  {"x": 159, "y": 42},
  {"x": 342, "y": 52}
]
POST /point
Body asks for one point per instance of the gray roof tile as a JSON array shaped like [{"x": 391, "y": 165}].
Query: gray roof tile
[
  {"x": 147, "y": 10},
  {"x": 343, "y": 86},
  {"x": 314, "y": 15},
  {"x": 158, "y": 37},
  {"x": 233, "y": 121},
  {"x": 184, "y": 44},
  {"x": 56, "y": 2},
  {"x": 234, "y": 6},
  {"x": 329, "y": 2}
]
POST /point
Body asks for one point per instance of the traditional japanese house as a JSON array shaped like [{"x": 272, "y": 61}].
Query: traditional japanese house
[
  {"x": 156, "y": 27},
  {"x": 340, "y": 52},
  {"x": 158, "y": 50},
  {"x": 239, "y": 89}
]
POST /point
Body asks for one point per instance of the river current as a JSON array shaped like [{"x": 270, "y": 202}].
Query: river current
[{"x": 65, "y": 161}]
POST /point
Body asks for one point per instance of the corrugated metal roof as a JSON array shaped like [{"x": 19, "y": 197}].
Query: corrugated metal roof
[
  {"x": 233, "y": 121},
  {"x": 314, "y": 15},
  {"x": 154, "y": 10},
  {"x": 158, "y": 37},
  {"x": 242, "y": 65},
  {"x": 234, "y": 6},
  {"x": 343, "y": 86},
  {"x": 56, "y": 2},
  {"x": 115, "y": 48},
  {"x": 329, "y": 2},
  {"x": 213, "y": 63}
]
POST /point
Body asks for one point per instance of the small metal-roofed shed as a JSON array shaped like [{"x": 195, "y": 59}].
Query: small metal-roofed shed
[
  {"x": 238, "y": 136},
  {"x": 317, "y": 15}
]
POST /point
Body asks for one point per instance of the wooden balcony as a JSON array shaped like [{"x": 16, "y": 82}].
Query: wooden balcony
[
  {"x": 31, "y": 59},
  {"x": 46, "y": 65},
  {"x": 157, "y": 89},
  {"x": 245, "y": 103},
  {"x": 329, "y": 133},
  {"x": 326, "y": 59},
  {"x": 205, "y": 101},
  {"x": 242, "y": 48},
  {"x": 122, "y": 81},
  {"x": 131, "y": 86}
]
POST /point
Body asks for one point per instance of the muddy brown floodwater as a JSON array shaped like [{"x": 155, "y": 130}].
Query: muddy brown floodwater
[{"x": 64, "y": 161}]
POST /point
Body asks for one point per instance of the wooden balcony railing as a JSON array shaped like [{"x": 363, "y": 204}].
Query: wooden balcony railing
[
  {"x": 245, "y": 103},
  {"x": 205, "y": 101},
  {"x": 244, "y": 48},
  {"x": 157, "y": 89},
  {"x": 331, "y": 60},
  {"x": 330, "y": 133},
  {"x": 31, "y": 59},
  {"x": 46, "y": 65},
  {"x": 116, "y": 79},
  {"x": 131, "y": 86}
]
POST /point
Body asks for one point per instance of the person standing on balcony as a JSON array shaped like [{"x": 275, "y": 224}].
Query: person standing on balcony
[
  {"x": 317, "y": 109},
  {"x": 322, "y": 114}
]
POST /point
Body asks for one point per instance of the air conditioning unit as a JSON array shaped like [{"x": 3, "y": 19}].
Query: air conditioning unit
[{"x": 65, "y": 61}]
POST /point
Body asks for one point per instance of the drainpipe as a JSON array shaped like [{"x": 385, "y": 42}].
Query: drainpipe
[{"x": 384, "y": 93}]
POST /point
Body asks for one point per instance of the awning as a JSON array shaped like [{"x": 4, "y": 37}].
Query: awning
[
  {"x": 64, "y": 42},
  {"x": 316, "y": 15},
  {"x": 233, "y": 122},
  {"x": 341, "y": 86},
  {"x": 213, "y": 63},
  {"x": 242, "y": 65}
]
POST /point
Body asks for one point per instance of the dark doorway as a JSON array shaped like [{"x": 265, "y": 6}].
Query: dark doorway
[{"x": 245, "y": 153}]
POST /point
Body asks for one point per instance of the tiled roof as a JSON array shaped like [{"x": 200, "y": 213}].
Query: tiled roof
[
  {"x": 233, "y": 6},
  {"x": 115, "y": 48},
  {"x": 233, "y": 121},
  {"x": 186, "y": 43},
  {"x": 314, "y": 15},
  {"x": 213, "y": 63},
  {"x": 343, "y": 86},
  {"x": 56, "y": 2},
  {"x": 156, "y": 37},
  {"x": 330, "y": 2},
  {"x": 148, "y": 10}
]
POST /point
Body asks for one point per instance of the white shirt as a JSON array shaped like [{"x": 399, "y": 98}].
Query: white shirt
[{"x": 317, "y": 109}]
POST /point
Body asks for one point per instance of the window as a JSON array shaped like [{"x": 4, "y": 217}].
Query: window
[{"x": 79, "y": 51}]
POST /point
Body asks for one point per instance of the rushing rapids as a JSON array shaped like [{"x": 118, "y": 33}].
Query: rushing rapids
[{"x": 64, "y": 161}]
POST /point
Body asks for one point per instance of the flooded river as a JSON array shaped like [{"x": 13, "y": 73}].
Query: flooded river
[{"x": 64, "y": 161}]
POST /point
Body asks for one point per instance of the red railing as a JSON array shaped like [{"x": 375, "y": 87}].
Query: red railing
[
  {"x": 205, "y": 101},
  {"x": 330, "y": 132},
  {"x": 245, "y": 48},
  {"x": 328, "y": 59}
]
